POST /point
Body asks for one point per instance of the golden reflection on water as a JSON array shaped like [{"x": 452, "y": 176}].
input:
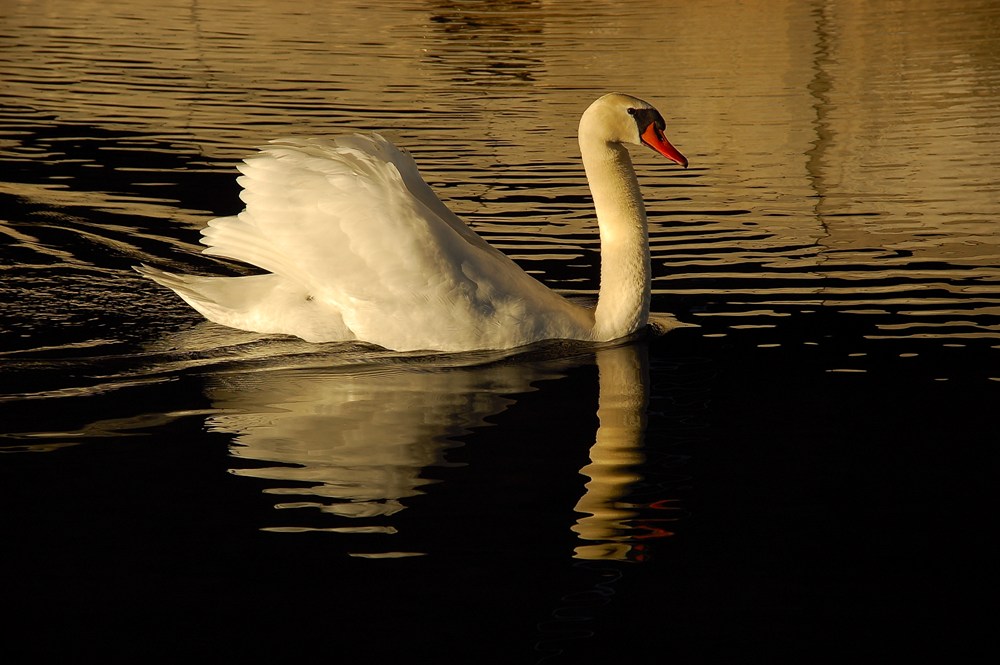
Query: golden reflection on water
[
  {"x": 825, "y": 138},
  {"x": 617, "y": 451},
  {"x": 359, "y": 440},
  {"x": 355, "y": 445}
]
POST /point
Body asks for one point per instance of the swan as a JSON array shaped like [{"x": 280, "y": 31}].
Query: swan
[{"x": 358, "y": 247}]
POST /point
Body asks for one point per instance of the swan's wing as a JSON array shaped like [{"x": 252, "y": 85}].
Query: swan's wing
[
  {"x": 354, "y": 223},
  {"x": 329, "y": 212}
]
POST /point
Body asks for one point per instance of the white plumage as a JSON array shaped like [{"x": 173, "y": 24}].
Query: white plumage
[{"x": 357, "y": 247}]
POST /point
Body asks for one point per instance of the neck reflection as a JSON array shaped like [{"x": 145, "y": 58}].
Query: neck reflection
[{"x": 615, "y": 455}]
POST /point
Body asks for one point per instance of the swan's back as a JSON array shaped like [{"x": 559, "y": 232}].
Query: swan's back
[{"x": 359, "y": 247}]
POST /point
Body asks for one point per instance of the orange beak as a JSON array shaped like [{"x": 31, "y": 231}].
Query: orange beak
[{"x": 655, "y": 139}]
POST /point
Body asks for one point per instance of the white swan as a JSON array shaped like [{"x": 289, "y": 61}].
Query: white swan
[{"x": 358, "y": 247}]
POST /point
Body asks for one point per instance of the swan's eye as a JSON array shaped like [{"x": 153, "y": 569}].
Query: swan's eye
[{"x": 631, "y": 111}]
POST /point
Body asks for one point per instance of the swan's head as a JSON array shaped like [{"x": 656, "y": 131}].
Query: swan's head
[{"x": 620, "y": 118}]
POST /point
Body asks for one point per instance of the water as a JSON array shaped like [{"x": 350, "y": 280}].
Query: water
[{"x": 804, "y": 471}]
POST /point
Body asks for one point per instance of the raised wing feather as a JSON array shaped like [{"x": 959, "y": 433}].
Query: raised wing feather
[{"x": 355, "y": 225}]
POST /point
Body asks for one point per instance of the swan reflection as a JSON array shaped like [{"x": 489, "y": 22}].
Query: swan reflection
[
  {"x": 617, "y": 451},
  {"x": 356, "y": 443}
]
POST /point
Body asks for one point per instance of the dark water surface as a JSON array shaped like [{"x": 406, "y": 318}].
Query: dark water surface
[{"x": 803, "y": 473}]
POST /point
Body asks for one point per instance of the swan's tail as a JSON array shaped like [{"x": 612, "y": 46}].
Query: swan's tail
[
  {"x": 266, "y": 303},
  {"x": 201, "y": 293}
]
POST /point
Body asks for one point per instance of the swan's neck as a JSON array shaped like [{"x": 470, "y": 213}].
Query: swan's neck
[{"x": 623, "y": 301}]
